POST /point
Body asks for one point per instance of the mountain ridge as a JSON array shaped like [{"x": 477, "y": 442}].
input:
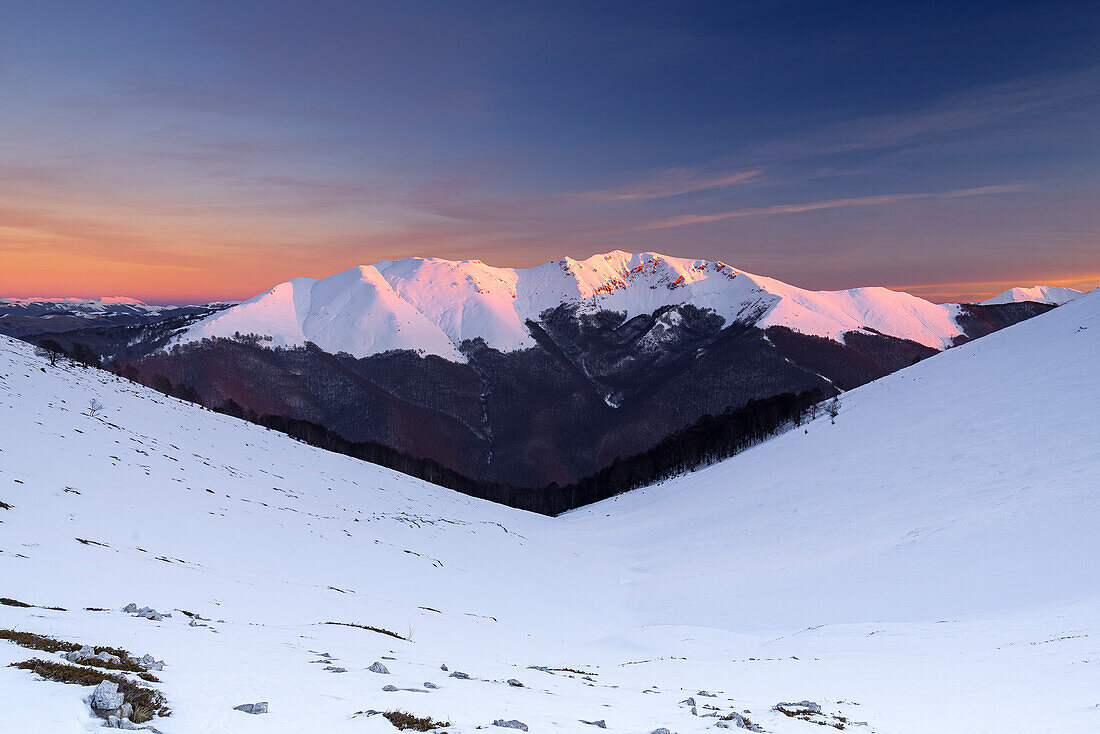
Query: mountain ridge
[{"x": 434, "y": 306}]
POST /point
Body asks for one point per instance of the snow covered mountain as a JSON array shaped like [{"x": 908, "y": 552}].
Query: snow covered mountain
[
  {"x": 433, "y": 306},
  {"x": 922, "y": 564},
  {"x": 1052, "y": 294},
  {"x": 550, "y": 374},
  {"x": 85, "y": 307}
]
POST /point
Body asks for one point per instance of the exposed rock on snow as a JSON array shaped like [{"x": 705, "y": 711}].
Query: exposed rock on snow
[
  {"x": 511, "y": 724},
  {"x": 514, "y": 683},
  {"x": 252, "y": 708},
  {"x": 148, "y": 662},
  {"x": 791, "y": 709},
  {"x": 84, "y": 653},
  {"x": 460, "y": 675},
  {"x": 731, "y": 721},
  {"x": 378, "y": 667},
  {"x": 145, "y": 612},
  {"x": 106, "y": 698}
]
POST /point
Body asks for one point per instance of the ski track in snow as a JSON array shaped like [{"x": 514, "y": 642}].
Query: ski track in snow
[{"x": 928, "y": 563}]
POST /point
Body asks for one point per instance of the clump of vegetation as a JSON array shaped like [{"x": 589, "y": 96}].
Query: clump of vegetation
[
  {"x": 745, "y": 720},
  {"x": 379, "y": 630},
  {"x": 402, "y": 720},
  {"x": 814, "y": 717},
  {"x": 125, "y": 665},
  {"x": 37, "y": 642},
  {"x": 16, "y": 603},
  {"x": 571, "y": 670},
  {"x": 33, "y": 641},
  {"x": 4, "y": 505},
  {"x": 147, "y": 702}
]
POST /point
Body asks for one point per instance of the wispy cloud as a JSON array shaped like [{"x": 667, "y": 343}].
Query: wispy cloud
[
  {"x": 971, "y": 111},
  {"x": 683, "y": 220},
  {"x": 670, "y": 182}
]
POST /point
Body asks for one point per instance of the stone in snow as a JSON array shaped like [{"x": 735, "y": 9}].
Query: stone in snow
[
  {"x": 799, "y": 706},
  {"x": 429, "y": 684},
  {"x": 389, "y": 689},
  {"x": 378, "y": 668},
  {"x": 511, "y": 724},
  {"x": 150, "y": 663},
  {"x": 130, "y": 608},
  {"x": 734, "y": 720},
  {"x": 443, "y": 667},
  {"x": 514, "y": 683},
  {"x": 660, "y": 730},
  {"x": 106, "y": 696},
  {"x": 601, "y": 723},
  {"x": 121, "y": 722},
  {"x": 460, "y": 675},
  {"x": 252, "y": 708},
  {"x": 78, "y": 655}
]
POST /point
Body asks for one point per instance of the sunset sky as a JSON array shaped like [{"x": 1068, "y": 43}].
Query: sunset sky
[{"x": 184, "y": 152}]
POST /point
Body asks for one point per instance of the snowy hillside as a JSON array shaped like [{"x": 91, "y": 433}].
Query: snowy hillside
[
  {"x": 925, "y": 564},
  {"x": 1039, "y": 293},
  {"x": 434, "y": 305}
]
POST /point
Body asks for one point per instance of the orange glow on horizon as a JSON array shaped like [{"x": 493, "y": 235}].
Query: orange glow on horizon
[{"x": 204, "y": 278}]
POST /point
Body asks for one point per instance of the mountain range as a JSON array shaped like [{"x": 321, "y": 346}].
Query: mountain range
[
  {"x": 506, "y": 382},
  {"x": 434, "y": 306}
]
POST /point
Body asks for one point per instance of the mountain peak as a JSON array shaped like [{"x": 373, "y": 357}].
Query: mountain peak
[
  {"x": 1052, "y": 294},
  {"x": 433, "y": 305}
]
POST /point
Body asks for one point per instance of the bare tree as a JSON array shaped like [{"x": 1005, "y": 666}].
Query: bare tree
[
  {"x": 833, "y": 409},
  {"x": 94, "y": 406},
  {"x": 50, "y": 350}
]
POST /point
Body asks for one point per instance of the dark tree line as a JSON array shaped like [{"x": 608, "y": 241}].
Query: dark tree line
[
  {"x": 79, "y": 353},
  {"x": 710, "y": 439}
]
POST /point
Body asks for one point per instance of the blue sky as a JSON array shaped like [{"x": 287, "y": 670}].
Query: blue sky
[{"x": 181, "y": 151}]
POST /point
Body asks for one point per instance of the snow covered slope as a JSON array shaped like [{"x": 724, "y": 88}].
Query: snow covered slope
[
  {"x": 434, "y": 305},
  {"x": 966, "y": 484},
  {"x": 925, "y": 564},
  {"x": 1040, "y": 293}
]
